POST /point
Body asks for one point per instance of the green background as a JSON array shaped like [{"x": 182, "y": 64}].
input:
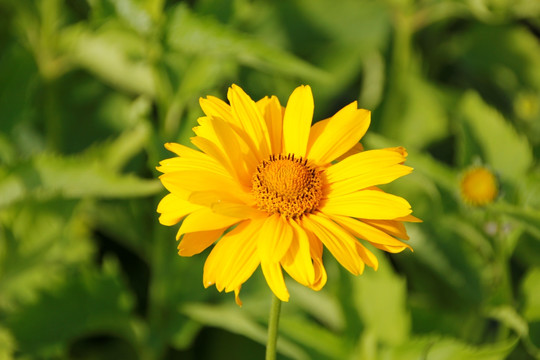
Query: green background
[{"x": 91, "y": 90}]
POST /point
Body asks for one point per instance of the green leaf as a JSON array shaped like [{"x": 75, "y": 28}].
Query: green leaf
[
  {"x": 501, "y": 146},
  {"x": 419, "y": 107},
  {"x": 314, "y": 337},
  {"x": 39, "y": 243},
  {"x": 381, "y": 301},
  {"x": 71, "y": 177},
  {"x": 435, "y": 348},
  {"x": 527, "y": 216},
  {"x": 319, "y": 305},
  {"x": 7, "y": 344},
  {"x": 509, "y": 317},
  {"x": 233, "y": 319},
  {"x": 113, "y": 54},
  {"x": 449, "y": 349},
  {"x": 531, "y": 294},
  {"x": 90, "y": 301},
  {"x": 207, "y": 37},
  {"x": 510, "y": 66}
]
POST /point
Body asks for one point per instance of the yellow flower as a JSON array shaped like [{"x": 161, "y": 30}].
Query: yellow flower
[
  {"x": 478, "y": 186},
  {"x": 265, "y": 184}
]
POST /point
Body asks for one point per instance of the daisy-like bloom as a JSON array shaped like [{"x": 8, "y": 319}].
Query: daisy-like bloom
[
  {"x": 478, "y": 186},
  {"x": 275, "y": 191}
]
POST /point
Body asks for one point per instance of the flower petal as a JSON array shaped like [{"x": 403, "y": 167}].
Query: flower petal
[
  {"x": 273, "y": 115},
  {"x": 367, "y": 204},
  {"x": 245, "y": 111},
  {"x": 173, "y": 208},
  {"x": 365, "y": 169},
  {"x": 215, "y": 152},
  {"x": 234, "y": 258},
  {"x": 210, "y": 198},
  {"x": 198, "y": 180},
  {"x": 203, "y": 220},
  {"x": 238, "y": 152},
  {"x": 341, "y": 132},
  {"x": 196, "y": 242},
  {"x": 241, "y": 211},
  {"x": 297, "y": 261},
  {"x": 391, "y": 227},
  {"x": 297, "y": 121},
  {"x": 367, "y": 256},
  {"x": 274, "y": 238},
  {"x": 320, "y": 275},
  {"x": 367, "y": 232},
  {"x": 337, "y": 240},
  {"x": 184, "y": 151},
  {"x": 274, "y": 277},
  {"x": 217, "y": 108}
]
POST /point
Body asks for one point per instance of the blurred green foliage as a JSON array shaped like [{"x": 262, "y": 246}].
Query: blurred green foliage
[{"x": 90, "y": 90}]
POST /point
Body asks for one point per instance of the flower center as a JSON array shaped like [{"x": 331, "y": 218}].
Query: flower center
[{"x": 287, "y": 185}]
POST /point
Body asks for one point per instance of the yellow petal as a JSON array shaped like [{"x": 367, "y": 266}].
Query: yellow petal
[
  {"x": 273, "y": 115},
  {"x": 338, "y": 241},
  {"x": 297, "y": 261},
  {"x": 274, "y": 277},
  {"x": 185, "y": 163},
  {"x": 246, "y": 112},
  {"x": 196, "y": 242},
  {"x": 390, "y": 249},
  {"x": 363, "y": 162},
  {"x": 210, "y": 198},
  {"x": 236, "y": 210},
  {"x": 184, "y": 151},
  {"x": 391, "y": 227},
  {"x": 233, "y": 259},
  {"x": 274, "y": 239},
  {"x": 203, "y": 220},
  {"x": 237, "y": 151},
  {"x": 217, "y": 108},
  {"x": 357, "y": 148},
  {"x": 367, "y": 232},
  {"x": 320, "y": 275},
  {"x": 367, "y": 204},
  {"x": 367, "y": 256},
  {"x": 237, "y": 296},
  {"x": 173, "y": 208},
  {"x": 215, "y": 152},
  {"x": 316, "y": 251},
  {"x": 297, "y": 121},
  {"x": 365, "y": 169},
  {"x": 341, "y": 132},
  {"x": 409, "y": 218},
  {"x": 198, "y": 180}
]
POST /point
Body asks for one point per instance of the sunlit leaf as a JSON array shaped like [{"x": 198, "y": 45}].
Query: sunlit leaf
[
  {"x": 7, "y": 344},
  {"x": 381, "y": 300},
  {"x": 231, "y": 318},
  {"x": 206, "y": 36},
  {"x": 436, "y": 348},
  {"x": 113, "y": 54},
  {"x": 314, "y": 337},
  {"x": 501, "y": 146},
  {"x": 71, "y": 177},
  {"x": 39, "y": 243}
]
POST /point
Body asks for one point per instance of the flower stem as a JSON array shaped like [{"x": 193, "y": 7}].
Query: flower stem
[{"x": 273, "y": 323}]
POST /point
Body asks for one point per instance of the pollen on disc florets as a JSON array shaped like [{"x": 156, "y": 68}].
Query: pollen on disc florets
[{"x": 287, "y": 185}]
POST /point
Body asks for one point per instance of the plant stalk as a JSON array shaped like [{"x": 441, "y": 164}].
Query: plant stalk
[{"x": 273, "y": 323}]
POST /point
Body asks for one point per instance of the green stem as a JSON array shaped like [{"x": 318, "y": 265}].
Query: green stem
[{"x": 273, "y": 323}]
